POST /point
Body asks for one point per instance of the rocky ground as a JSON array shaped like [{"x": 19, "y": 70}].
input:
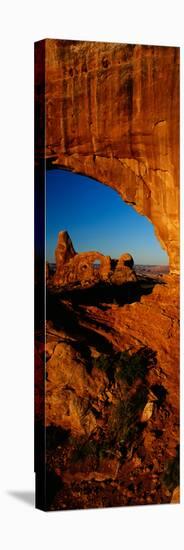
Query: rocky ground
[{"x": 112, "y": 396}]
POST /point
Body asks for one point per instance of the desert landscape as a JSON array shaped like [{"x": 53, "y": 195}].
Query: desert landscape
[
  {"x": 107, "y": 354},
  {"x": 111, "y": 394}
]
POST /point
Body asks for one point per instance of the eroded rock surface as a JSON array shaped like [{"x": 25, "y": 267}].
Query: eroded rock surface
[
  {"x": 112, "y": 399},
  {"x": 112, "y": 113},
  {"x": 89, "y": 267}
]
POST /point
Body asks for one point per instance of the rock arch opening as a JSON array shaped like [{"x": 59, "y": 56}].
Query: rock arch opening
[
  {"x": 110, "y": 112},
  {"x": 99, "y": 234},
  {"x": 96, "y": 264},
  {"x": 135, "y": 151}
]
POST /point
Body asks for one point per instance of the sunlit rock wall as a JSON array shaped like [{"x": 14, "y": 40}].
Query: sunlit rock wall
[{"x": 112, "y": 113}]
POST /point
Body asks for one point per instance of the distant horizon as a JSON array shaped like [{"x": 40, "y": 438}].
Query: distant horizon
[
  {"x": 97, "y": 218},
  {"x": 135, "y": 264}
]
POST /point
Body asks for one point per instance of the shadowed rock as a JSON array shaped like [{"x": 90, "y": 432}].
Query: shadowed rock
[{"x": 124, "y": 270}]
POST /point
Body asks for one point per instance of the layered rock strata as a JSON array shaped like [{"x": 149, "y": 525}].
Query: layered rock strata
[{"x": 112, "y": 113}]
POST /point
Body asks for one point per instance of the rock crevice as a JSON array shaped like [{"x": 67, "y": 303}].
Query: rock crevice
[{"x": 106, "y": 102}]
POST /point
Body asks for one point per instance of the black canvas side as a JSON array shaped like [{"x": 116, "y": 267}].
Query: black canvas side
[{"x": 39, "y": 273}]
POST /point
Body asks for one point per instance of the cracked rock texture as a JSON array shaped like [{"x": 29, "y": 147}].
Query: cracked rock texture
[
  {"x": 82, "y": 268},
  {"x": 112, "y": 113},
  {"x": 112, "y": 442}
]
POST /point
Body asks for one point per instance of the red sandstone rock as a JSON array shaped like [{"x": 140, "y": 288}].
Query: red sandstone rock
[
  {"x": 69, "y": 389},
  {"x": 72, "y": 267},
  {"x": 112, "y": 113},
  {"x": 64, "y": 251},
  {"x": 125, "y": 260},
  {"x": 176, "y": 496}
]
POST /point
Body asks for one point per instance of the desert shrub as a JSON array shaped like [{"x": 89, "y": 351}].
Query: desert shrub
[
  {"x": 102, "y": 362},
  {"x": 106, "y": 364},
  {"x": 125, "y": 366},
  {"x": 106, "y": 449},
  {"x": 171, "y": 473},
  {"x": 139, "y": 399},
  {"x": 93, "y": 449},
  {"x": 130, "y": 368},
  {"x": 83, "y": 449},
  {"x": 124, "y": 425},
  {"x": 124, "y": 420},
  {"x": 119, "y": 420}
]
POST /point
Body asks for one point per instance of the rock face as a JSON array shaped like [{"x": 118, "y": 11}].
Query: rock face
[
  {"x": 89, "y": 267},
  {"x": 150, "y": 323},
  {"x": 176, "y": 496},
  {"x": 124, "y": 270},
  {"x": 112, "y": 113},
  {"x": 64, "y": 251},
  {"x": 69, "y": 389},
  {"x": 112, "y": 439}
]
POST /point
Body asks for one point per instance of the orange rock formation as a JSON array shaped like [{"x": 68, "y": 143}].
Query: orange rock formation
[
  {"x": 112, "y": 113},
  {"x": 72, "y": 267}
]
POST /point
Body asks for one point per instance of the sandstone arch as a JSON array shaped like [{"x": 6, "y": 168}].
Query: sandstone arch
[
  {"x": 125, "y": 260},
  {"x": 78, "y": 268},
  {"x": 124, "y": 270},
  {"x": 112, "y": 113},
  {"x": 87, "y": 259},
  {"x": 73, "y": 267}
]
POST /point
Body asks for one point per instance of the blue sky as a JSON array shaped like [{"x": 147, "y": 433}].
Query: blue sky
[{"x": 97, "y": 218}]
